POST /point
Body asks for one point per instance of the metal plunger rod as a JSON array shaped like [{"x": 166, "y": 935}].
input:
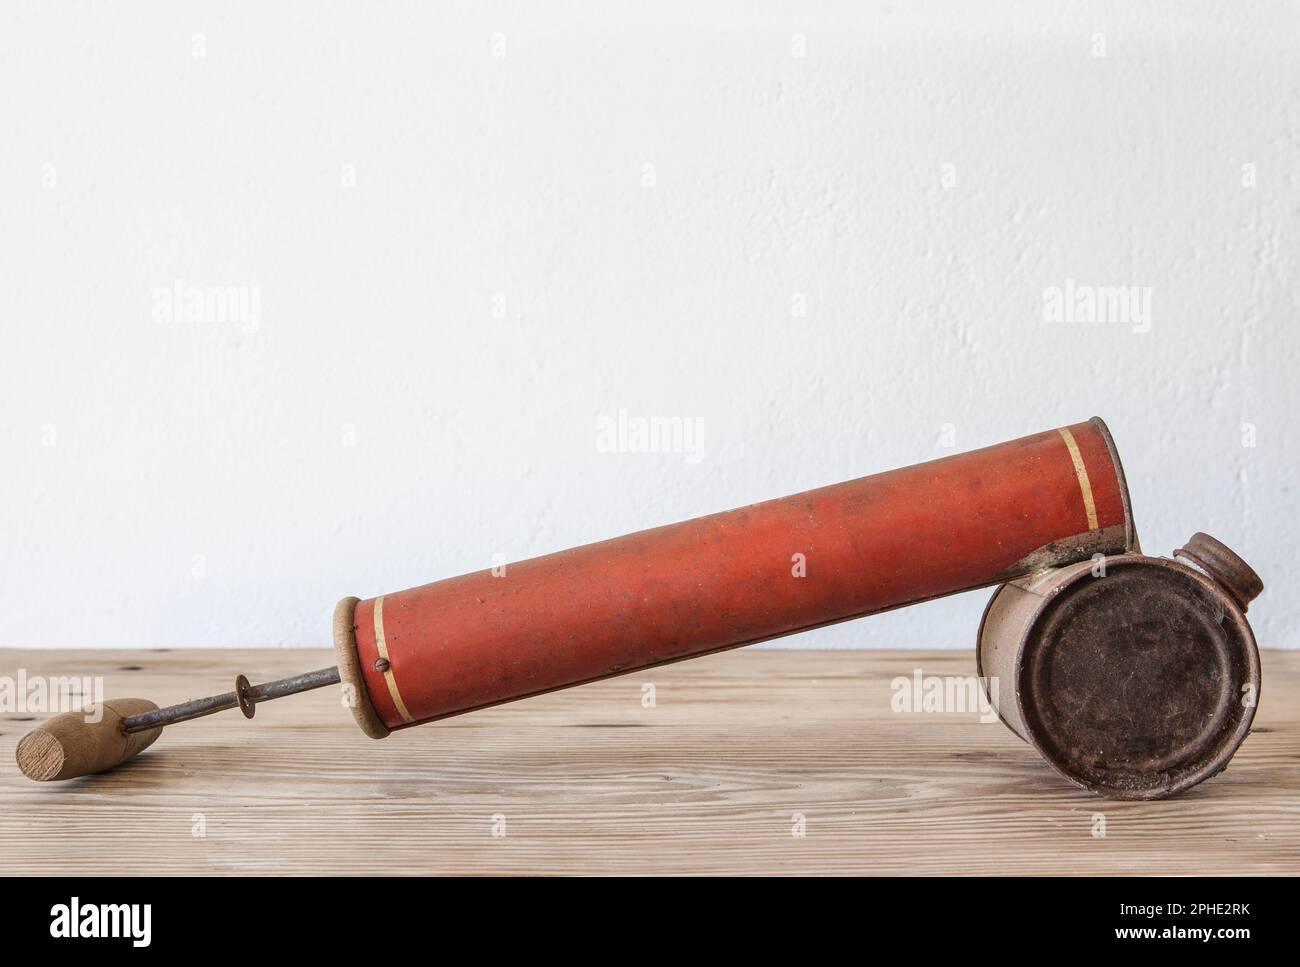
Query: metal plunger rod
[{"x": 245, "y": 696}]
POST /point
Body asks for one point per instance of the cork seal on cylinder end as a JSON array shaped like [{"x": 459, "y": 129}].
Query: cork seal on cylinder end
[{"x": 349, "y": 665}]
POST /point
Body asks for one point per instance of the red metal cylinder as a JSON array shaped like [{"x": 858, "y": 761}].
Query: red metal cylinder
[{"x": 734, "y": 578}]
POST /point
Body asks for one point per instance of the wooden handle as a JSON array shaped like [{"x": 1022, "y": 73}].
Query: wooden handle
[{"x": 79, "y": 743}]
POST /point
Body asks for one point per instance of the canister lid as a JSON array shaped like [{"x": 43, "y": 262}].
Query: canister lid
[
  {"x": 1141, "y": 682},
  {"x": 1223, "y": 564}
]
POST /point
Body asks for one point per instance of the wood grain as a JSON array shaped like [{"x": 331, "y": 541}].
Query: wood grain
[{"x": 711, "y": 779}]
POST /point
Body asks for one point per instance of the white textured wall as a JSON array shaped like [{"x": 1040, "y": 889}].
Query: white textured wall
[{"x": 462, "y": 260}]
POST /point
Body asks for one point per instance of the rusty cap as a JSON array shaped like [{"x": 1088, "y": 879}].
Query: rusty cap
[{"x": 1223, "y": 564}]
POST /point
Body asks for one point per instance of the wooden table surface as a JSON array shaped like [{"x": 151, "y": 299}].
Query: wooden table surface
[{"x": 737, "y": 754}]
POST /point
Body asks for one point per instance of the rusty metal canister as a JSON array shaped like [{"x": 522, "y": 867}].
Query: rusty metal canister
[
  {"x": 1135, "y": 677},
  {"x": 966, "y": 521}
]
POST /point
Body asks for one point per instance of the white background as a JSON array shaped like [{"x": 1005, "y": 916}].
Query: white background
[{"x": 475, "y": 229}]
